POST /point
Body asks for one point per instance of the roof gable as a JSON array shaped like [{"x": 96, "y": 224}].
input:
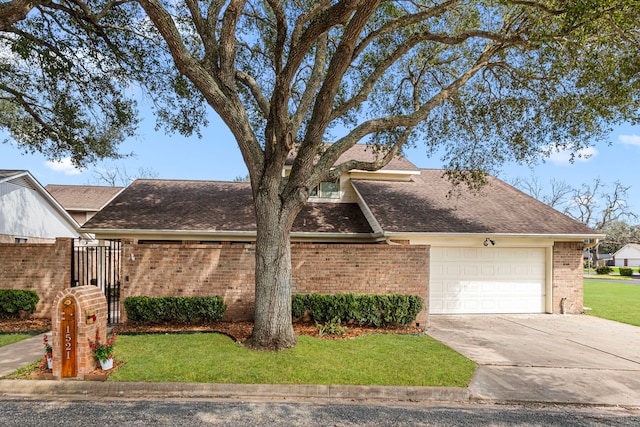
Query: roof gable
[
  {"x": 630, "y": 250},
  {"x": 28, "y": 210},
  {"x": 367, "y": 153},
  {"x": 83, "y": 197},
  {"x": 429, "y": 204}
]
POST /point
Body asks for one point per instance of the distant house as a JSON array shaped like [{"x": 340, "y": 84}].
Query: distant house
[
  {"x": 82, "y": 202},
  {"x": 28, "y": 213},
  {"x": 498, "y": 251},
  {"x": 628, "y": 256}
]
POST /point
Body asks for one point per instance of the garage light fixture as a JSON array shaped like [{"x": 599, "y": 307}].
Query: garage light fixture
[{"x": 488, "y": 240}]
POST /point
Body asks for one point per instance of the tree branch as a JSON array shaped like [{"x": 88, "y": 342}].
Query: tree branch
[
  {"x": 14, "y": 11},
  {"x": 314, "y": 82},
  {"x": 256, "y": 91},
  {"x": 281, "y": 30}
]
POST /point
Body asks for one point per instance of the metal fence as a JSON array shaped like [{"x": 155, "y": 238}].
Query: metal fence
[{"x": 99, "y": 265}]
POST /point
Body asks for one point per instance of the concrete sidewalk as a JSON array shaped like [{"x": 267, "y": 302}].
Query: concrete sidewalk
[{"x": 22, "y": 353}]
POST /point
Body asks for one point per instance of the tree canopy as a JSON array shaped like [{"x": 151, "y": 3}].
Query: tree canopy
[
  {"x": 489, "y": 81},
  {"x": 485, "y": 80}
]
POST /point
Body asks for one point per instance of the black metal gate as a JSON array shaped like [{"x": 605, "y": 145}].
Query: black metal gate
[{"x": 99, "y": 265}]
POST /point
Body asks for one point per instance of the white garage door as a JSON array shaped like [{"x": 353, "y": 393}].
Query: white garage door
[{"x": 487, "y": 280}]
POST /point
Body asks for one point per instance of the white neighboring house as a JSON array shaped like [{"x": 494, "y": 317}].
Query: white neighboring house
[
  {"x": 28, "y": 213},
  {"x": 628, "y": 256}
]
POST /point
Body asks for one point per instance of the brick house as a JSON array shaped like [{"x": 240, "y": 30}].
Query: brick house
[{"x": 401, "y": 229}]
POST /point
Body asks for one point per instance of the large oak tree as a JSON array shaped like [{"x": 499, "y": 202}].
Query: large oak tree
[{"x": 485, "y": 80}]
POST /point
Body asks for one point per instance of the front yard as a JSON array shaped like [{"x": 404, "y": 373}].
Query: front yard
[
  {"x": 366, "y": 357},
  {"x": 380, "y": 359},
  {"x": 372, "y": 359},
  {"x": 619, "y": 301}
]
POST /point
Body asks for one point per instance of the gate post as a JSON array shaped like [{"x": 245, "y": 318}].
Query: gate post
[{"x": 77, "y": 314}]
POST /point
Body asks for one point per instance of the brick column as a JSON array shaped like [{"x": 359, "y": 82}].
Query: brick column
[
  {"x": 77, "y": 314},
  {"x": 567, "y": 277}
]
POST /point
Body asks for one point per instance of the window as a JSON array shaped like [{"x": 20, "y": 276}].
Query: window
[
  {"x": 327, "y": 190},
  {"x": 21, "y": 240}
]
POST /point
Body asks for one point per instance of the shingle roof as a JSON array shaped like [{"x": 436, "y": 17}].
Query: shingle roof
[
  {"x": 82, "y": 197},
  {"x": 212, "y": 206},
  {"x": 365, "y": 153},
  {"x": 424, "y": 205}
]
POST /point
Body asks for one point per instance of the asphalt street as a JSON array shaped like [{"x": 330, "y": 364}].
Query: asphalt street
[{"x": 187, "y": 412}]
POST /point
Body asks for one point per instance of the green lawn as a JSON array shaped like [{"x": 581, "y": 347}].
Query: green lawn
[
  {"x": 378, "y": 359},
  {"x": 6, "y": 339},
  {"x": 614, "y": 301}
]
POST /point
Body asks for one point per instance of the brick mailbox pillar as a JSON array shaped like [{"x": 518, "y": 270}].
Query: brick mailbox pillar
[{"x": 77, "y": 314}]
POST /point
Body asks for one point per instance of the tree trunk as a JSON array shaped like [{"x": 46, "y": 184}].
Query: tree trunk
[{"x": 273, "y": 329}]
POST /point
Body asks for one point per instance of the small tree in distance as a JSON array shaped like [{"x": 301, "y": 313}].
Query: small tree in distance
[
  {"x": 116, "y": 175},
  {"x": 487, "y": 80}
]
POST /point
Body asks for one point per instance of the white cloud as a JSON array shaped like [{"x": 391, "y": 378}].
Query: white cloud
[
  {"x": 564, "y": 156},
  {"x": 630, "y": 139},
  {"x": 65, "y": 166}
]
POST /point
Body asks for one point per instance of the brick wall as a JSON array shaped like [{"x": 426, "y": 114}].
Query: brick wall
[
  {"x": 44, "y": 268},
  {"x": 191, "y": 270},
  {"x": 228, "y": 271},
  {"x": 567, "y": 277},
  {"x": 376, "y": 269}
]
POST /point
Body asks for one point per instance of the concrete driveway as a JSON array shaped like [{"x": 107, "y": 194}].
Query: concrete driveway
[{"x": 547, "y": 358}]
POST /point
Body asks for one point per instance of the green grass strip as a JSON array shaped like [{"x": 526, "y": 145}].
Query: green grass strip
[
  {"x": 378, "y": 359},
  {"x": 613, "y": 301},
  {"x": 6, "y": 339}
]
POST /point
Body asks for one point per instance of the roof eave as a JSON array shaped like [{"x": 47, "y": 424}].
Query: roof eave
[
  {"x": 145, "y": 232},
  {"x": 222, "y": 235},
  {"x": 556, "y": 236},
  {"x": 333, "y": 237}
]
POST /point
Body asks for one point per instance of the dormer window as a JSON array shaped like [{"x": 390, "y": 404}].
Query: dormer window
[{"x": 327, "y": 190}]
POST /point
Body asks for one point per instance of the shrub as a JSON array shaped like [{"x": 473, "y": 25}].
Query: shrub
[
  {"x": 331, "y": 328},
  {"x": 603, "y": 269},
  {"x": 174, "y": 309},
  {"x": 626, "y": 271},
  {"x": 364, "y": 309},
  {"x": 298, "y": 304},
  {"x": 13, "y": 301}
]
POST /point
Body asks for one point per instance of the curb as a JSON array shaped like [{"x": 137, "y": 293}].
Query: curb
[{"x": 137, "y": 390}]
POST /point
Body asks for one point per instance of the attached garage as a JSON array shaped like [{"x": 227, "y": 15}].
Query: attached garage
[{"x": 487, "y": 280}]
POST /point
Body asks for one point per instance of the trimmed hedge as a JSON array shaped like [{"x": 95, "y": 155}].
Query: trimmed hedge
[
  {"x": 626, "y": 271},
  {"x": 174, "y": 309},
  {"x": 364, "y": 309},
  {"x": 603, "y": 269},
  {"x": 13, "y": 301}
]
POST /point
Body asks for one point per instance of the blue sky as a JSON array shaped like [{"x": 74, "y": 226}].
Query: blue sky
[{"x": 216, "y": 157}]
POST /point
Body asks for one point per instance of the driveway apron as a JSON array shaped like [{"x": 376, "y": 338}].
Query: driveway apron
[{"x": 547, "y": 358}]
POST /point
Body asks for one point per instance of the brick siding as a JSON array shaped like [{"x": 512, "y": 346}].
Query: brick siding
[
  {"x": 567, "y": 277},
  {"x": 227, "y": 270},
  {"x": 44, "y": 268},
  {"x": 375, "y": 269}
]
